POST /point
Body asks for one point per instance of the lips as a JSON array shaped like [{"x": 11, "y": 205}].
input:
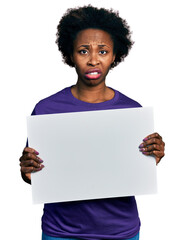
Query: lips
[{"x": 93, "y": 73}]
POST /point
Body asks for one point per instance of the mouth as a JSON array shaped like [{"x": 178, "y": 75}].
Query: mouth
[{"x": 93, "y": 74}]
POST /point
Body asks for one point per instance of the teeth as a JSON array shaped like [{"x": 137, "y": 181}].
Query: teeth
[{"x": 93, "y": 73}]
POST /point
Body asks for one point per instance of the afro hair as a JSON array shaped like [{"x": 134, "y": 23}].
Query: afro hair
[{"x": 78, "y": 19}]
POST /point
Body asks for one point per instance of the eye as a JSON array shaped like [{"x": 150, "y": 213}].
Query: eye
[
  {"x": 103, "y": 52},
  {"x": 83, "y": 52}
]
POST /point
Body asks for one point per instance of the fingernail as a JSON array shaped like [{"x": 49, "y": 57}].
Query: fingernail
[
  {"x": 142, "y": 149},
  {"x": 36, "y": 152},
  {"x": 145, "y": 139},
  {"x": 39, "y": 159},
  {"x": 40, "y": 168},
  {"x": 141, "y": 145}
]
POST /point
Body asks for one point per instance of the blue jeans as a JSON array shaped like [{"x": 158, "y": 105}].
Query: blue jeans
[{"x": 46, "y": 237}]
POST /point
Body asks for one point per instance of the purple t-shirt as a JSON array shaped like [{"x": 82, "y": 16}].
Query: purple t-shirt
[{"x": 111, "y": 218}]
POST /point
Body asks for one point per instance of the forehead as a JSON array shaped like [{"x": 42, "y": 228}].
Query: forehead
[{"x": 93, "y": 36}]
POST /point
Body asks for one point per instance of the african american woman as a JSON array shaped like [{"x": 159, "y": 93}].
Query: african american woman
[{"x": 93, "y": 41}]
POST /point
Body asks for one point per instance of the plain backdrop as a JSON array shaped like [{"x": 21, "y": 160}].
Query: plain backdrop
[{"x": 152, "y": 74}]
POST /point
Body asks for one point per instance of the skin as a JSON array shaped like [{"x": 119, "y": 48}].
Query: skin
[
  {"x": 93, "y": 48},
  {"x": 153, "y": 145}
]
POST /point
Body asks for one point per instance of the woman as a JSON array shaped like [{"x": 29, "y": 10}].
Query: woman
[{"x": 93, "y": 41}]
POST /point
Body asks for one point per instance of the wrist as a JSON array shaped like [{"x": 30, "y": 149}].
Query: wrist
[{"x": 25, "y": 178}]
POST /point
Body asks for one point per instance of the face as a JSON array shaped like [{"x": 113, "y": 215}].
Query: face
[{"x": 93, "y": 56}]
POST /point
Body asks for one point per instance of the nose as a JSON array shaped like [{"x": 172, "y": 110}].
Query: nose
[{"x": 93, "y": 59}]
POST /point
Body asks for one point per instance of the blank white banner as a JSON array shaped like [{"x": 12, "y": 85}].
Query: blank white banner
[{"x": 92, "y": 154}]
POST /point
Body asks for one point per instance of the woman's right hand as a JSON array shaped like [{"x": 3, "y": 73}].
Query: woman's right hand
[{"x": 30, "y": 162}]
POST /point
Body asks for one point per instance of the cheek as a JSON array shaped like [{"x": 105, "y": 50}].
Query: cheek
[
  {"x": 79, "y": 62},
  {"x": 107, "y": 63},
  {"x": 79, "y": 69}
]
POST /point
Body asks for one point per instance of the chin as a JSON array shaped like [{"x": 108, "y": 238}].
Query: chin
[{"x": 94, "y": 82}]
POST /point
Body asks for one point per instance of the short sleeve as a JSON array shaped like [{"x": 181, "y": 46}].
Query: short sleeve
[{"x": 32, "y": 114}]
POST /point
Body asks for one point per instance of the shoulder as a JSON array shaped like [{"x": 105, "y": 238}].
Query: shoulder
[
  {"x": 59, "y": 96},
  {"x": 126, "y": 101},
  {"x": 50, "y": 104}
]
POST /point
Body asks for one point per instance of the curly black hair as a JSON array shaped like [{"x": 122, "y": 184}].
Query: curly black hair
[{"x": 77, "y": 19}]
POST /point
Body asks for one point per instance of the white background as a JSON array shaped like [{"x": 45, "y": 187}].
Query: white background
[{"x": 152, "y": 74}]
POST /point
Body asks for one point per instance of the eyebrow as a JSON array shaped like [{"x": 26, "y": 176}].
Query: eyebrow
[{"x": 87, "y": 46}]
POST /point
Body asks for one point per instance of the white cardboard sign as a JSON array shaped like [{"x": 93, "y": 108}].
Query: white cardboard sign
[{"x": 92, "y": 155}]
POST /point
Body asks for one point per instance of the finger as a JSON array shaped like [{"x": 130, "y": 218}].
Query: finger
[
  {"x": 30, "y": 163},
  {"x": 148, "y": 153},
  {"x": 150, "y": 142},
  {"x": 30, "y": 156},
  {"x": 30, "y": 150},
  {"x": 156, "y": 153},
  {"x": 151, "y": 148},
  {"x": 152, "y": 145},
  {"x": 31, "y": 169},
  {"x": 153, "y": 135}
]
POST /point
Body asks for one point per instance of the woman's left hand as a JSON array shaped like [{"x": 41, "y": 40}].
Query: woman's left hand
[{"x": 153, "y": 145}]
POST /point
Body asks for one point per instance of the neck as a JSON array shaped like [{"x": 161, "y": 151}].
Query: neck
[{"x": 92, "y": 94}]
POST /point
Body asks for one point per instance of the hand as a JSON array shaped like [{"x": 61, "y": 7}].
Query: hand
[
  {"x": 153, "y": 145},
  {"x": 30, "y": 162}
]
